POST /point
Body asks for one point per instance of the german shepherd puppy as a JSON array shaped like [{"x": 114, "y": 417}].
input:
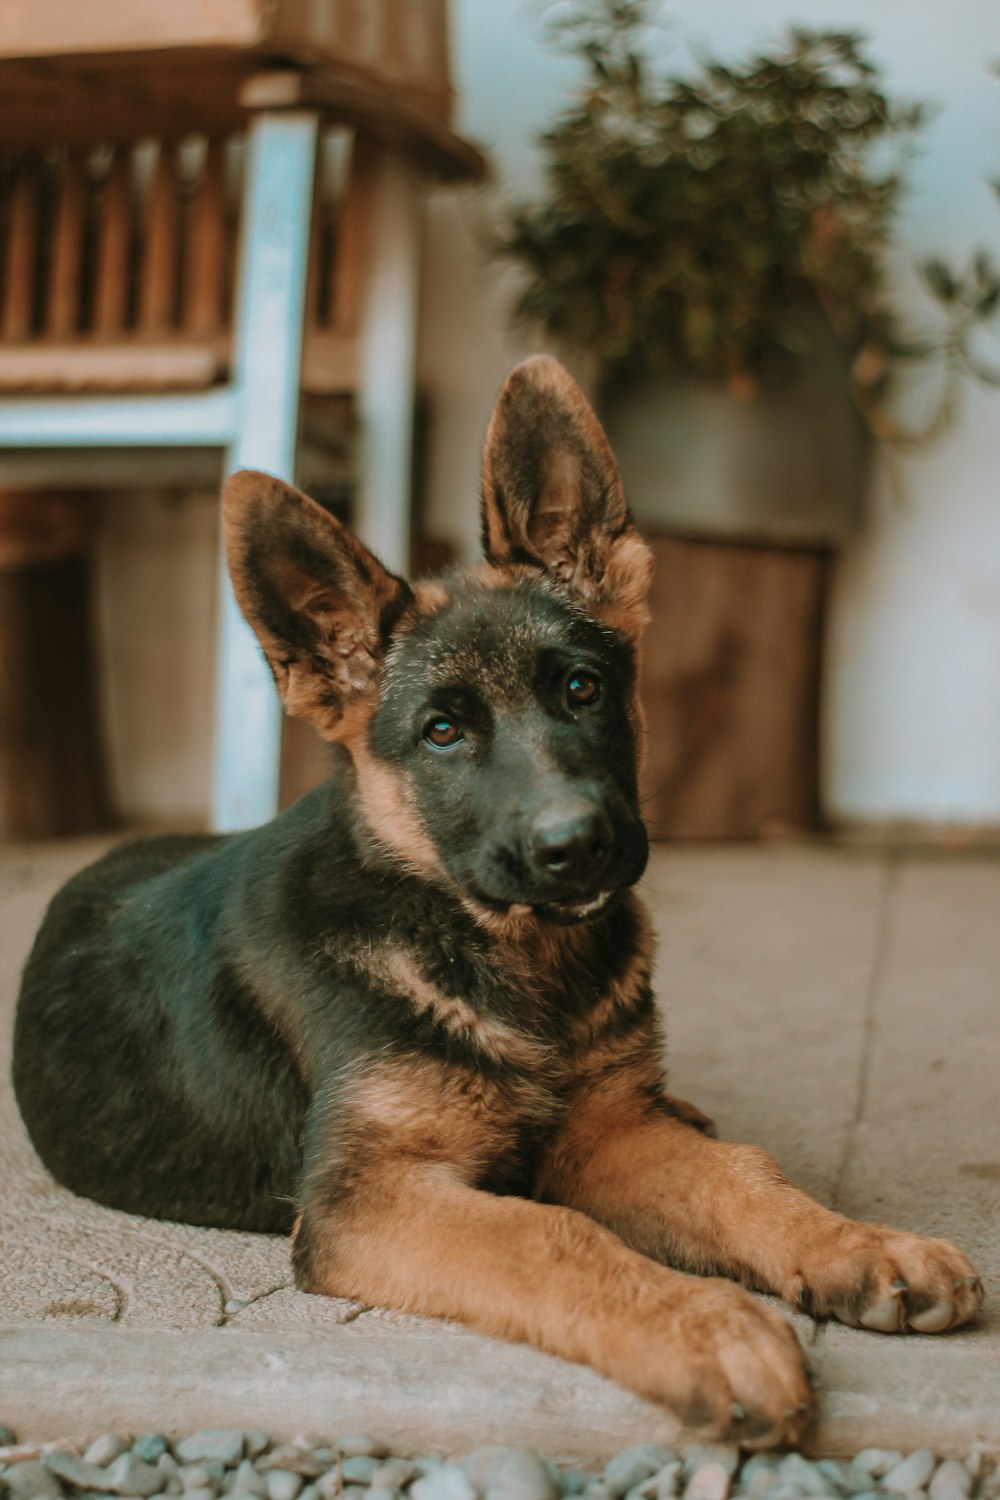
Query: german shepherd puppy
[{"x": 410, "y": 1020}]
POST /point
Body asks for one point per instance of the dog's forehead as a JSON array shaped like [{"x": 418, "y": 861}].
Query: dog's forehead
[{"x": 491, "y": 638}]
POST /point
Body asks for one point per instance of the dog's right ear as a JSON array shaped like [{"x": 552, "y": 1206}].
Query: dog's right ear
[{"x": 321, "y": 605}]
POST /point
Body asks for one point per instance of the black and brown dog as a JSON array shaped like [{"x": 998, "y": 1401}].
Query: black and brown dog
[{"x": 411, "y": 1019}]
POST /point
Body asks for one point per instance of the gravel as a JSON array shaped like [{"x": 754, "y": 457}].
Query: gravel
[{"x": 247, "y": 1465}]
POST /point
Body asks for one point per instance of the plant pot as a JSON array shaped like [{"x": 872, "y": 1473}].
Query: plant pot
[
  {"x": 787, "y": 465},
  {"x": 743, "y": 502}
]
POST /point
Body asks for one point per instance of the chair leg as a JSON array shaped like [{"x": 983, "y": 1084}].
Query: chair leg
[
  {"x": 268, "y": 329},
  {"x": 387, "y": 361}
]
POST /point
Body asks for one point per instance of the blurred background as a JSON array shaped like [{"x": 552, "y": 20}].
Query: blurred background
[{"x": 772, "y": 271}]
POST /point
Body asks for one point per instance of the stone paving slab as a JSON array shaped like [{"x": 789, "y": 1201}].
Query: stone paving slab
[{"x": 840, "y": 1007}]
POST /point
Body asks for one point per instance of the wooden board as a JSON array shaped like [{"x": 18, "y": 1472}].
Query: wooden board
[
  {"x": 730, "y": 686},
  {"x": 52, "y": 775},
  {"x": 181, "y": 60}
]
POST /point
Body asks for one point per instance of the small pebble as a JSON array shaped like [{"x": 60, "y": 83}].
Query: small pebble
[
  {"x": 31, "y": 1478},
  {"x": 214, "y": 1442},
  {"x": 284, "y": 1484},
  {"x": 359, "y": 1469},
  {"x": 295, "y": 1458},
  {"x": 246, "y": 1480},
  {"x": 150, "y": 1446},
  {"x": 572, "y": 1482},
  {"x": 877, "y": 1461},
  {"x": 501, "y": 1473},
  {"x": 205, "y": 1492},
  {"x": 726, "y": 1454},
  {"x": 381, "y": 1492},
  {"x": 912, "y": 1473},
  {"x": 761, "y": 1482},
  {"x": 449, "y": 1482},
  {"x": 951, "y": 1478},
  {"x": 200, "y": 1477},
  {"x": 104, "y": 1449},
  {"x": 709, "y": 1482},
  {"x": 669, "y": 1480},
  {"x": 805, "y": 1476},
  {"x": 392, "y": 1473},
  {"x": 360, "y": 1445},
  {"x": 844, "y": 1476},
  {"x": 633, "y": 1465},
  {"x": 131, "y": 1475},
  {"x": 70, "y": 1469}
]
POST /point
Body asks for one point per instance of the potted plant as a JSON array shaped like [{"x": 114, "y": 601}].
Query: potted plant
[{"x": 713, "y": 246}]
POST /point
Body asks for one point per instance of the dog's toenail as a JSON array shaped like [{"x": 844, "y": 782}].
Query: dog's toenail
[
  {"x": 934, "y": 1319},
  {"x": 883, "y": 1317}
]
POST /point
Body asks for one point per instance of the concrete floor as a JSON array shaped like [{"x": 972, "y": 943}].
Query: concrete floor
[{"x": 840, "y": 1007}]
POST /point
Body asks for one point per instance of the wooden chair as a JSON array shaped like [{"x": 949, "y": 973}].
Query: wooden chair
[{"x": 203, "y": 212}]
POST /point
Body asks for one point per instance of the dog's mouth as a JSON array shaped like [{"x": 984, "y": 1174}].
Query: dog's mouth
[{"x": 564, "y": 912}]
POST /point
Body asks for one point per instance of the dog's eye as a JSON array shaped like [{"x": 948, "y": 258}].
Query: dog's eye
[
  {"x": 583, "y": 689},
  {"x": 442, "y": 734}
]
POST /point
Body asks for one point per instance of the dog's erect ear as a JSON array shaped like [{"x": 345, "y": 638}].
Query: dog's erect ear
[
  {"x": 553, "y": 496},
  {"x": 321, "y": 605}
]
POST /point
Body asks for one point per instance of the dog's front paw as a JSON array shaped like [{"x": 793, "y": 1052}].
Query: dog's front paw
[
  {"x": 724, "y": 1362},
  {"x": 883, "y": 1279}
]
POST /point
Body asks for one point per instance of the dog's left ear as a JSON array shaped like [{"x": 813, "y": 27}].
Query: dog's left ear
[
  {"x": 322, "y": 606},
  {"x": 553, "y": 495}
]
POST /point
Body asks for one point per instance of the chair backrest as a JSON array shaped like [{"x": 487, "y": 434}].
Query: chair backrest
[{"x": 118, "y": 264}]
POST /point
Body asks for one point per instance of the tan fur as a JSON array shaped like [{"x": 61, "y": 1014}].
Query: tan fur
[
  {"x": 416, "y": 1236},
  {"x": 389, "y": 813},
  {"x": 711, "y": 1206},
  {"x": 500, "y": 1042}
]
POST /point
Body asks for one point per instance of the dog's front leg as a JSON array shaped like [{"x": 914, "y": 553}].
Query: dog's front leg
[
  {"x": 625, "y": 1158},
  {"x": 418, "y": 1239}
]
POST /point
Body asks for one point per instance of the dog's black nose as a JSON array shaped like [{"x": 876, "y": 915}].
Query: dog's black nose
[{"x": 570, "y": 841}]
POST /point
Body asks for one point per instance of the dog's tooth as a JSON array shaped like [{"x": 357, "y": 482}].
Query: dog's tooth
[
  {"x": 933, "y": 1319},
  {"x": 884, "y": 1317}
]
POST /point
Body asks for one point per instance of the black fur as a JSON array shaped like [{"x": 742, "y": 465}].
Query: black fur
[{"x": 192, "y": 1007}]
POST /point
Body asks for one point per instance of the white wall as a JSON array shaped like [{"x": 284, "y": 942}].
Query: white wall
[{"x": 912, "y": 713}]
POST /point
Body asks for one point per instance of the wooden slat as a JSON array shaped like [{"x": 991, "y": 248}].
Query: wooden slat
[
  {"x": 353, "y": 241},
  {"x": 158, "y": 285},
  {"x": 114, "y": 233},
  {"x": 22, "y": 251},
  {"x": 83, "y": 367},
  {"x": 62, "y": 310},
  {"x": 206, "y": 267}
]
